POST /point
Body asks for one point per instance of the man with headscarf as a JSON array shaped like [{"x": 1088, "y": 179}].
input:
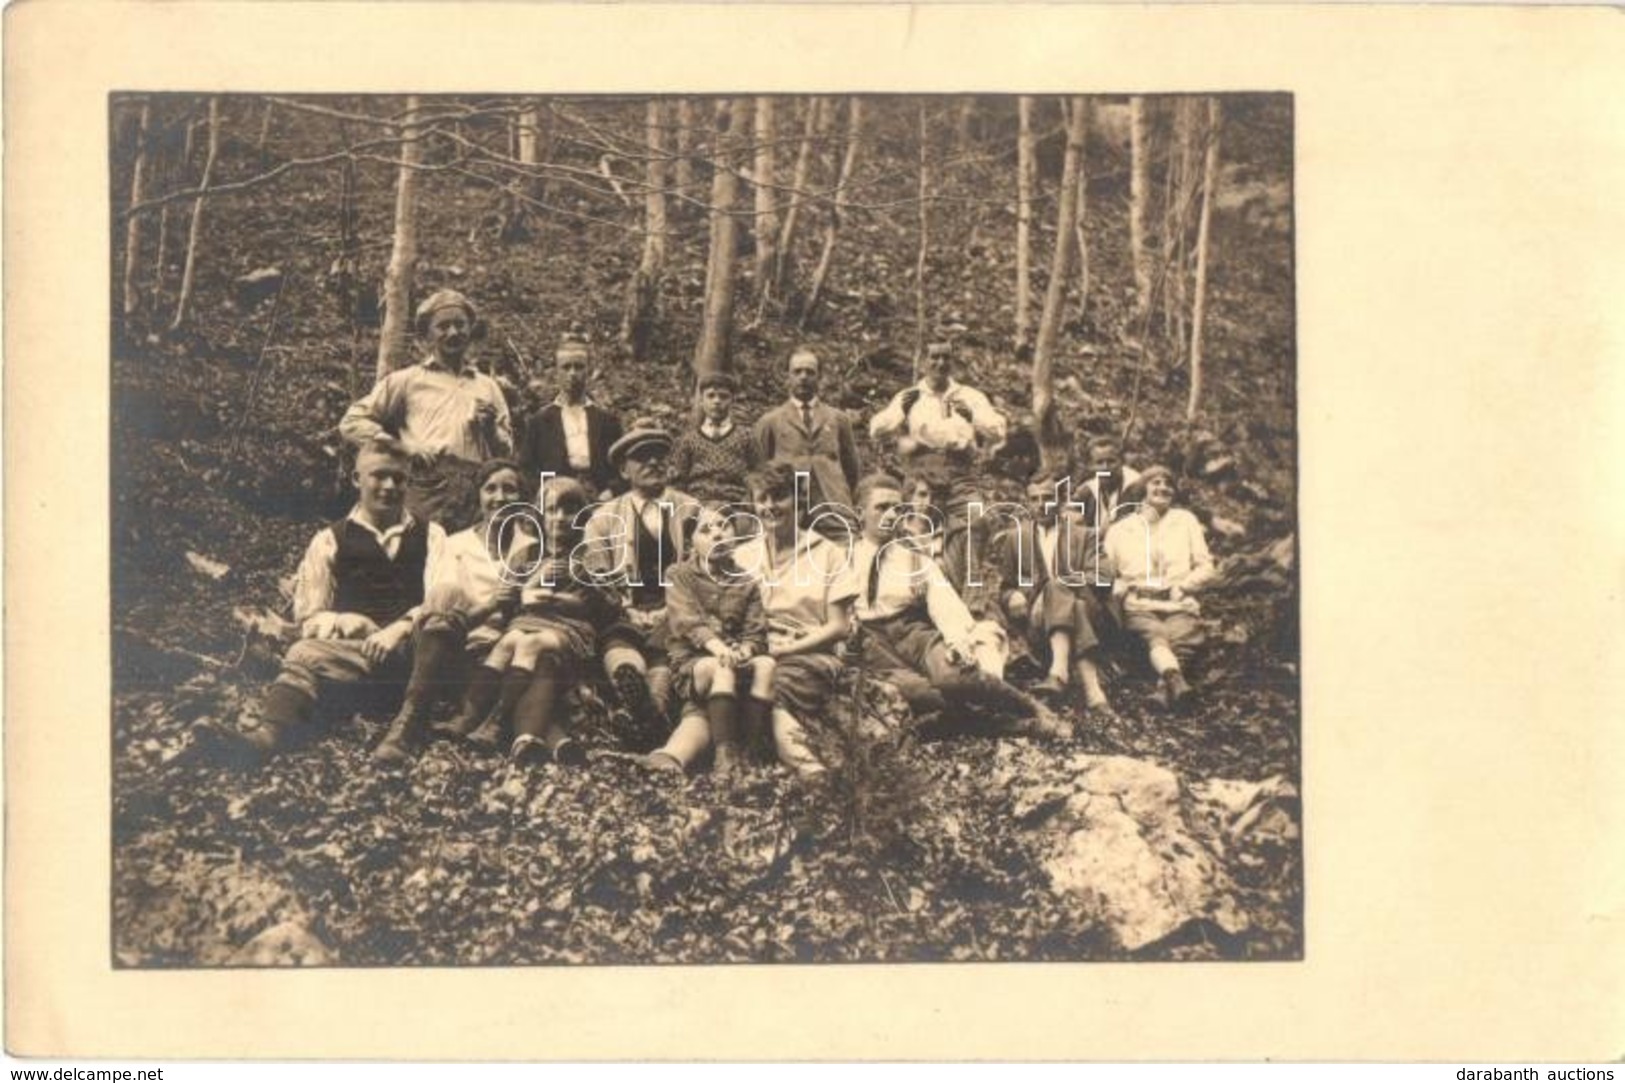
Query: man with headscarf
[{"x": 448, "y": 415}]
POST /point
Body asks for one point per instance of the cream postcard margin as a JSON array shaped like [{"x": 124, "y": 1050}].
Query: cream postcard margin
[{"x": 1460, "y": 213}]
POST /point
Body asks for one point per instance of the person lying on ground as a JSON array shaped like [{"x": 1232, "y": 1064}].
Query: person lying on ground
[
  {"x": 465, "y": 609},
  {"x": 631, "y": 542},
  {"x": 355, "y": 598},
  {"x": 447, "y": 414},
  {"x": 711, "y": 459},
  {"x": 718, "y": 639},
  {"x": 571, "y": 436},
  {"x": 807, "y": 589},
  {"x": 1058, "y": 587},
  {"x": 917, "y": 634},
  {"x": 1160, "y": 560}
]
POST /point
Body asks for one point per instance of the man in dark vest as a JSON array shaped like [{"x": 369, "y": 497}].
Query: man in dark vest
[
  {"x": 358, "y": 589},
  {"x": 630, "y": 542}
]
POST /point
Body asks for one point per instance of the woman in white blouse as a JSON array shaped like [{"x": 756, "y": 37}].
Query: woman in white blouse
[{"x": 1161, "y": 561}]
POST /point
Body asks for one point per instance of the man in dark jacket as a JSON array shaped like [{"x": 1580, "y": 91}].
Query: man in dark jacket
[{"x": 571, "y": 436}]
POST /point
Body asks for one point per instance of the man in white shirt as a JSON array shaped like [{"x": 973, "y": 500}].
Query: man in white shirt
[
  {"x": 448, "y": 415},
  {"x": 940, "y": 414},
  {"x": 918, "y": 634},
  {"x": 359, "y": 587}
]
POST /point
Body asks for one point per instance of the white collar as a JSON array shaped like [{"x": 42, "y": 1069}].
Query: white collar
[{"x": 366, "y": 524}]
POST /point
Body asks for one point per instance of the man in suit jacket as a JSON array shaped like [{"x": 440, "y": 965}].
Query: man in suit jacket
[
  {"x": 571, "y": 436},
  {"x": 811, "y": 435}
]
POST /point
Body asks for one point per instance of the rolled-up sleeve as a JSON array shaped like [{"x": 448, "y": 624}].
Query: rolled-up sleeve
[
  {"x": 374, "y": 413},
  {"x": 313, "y": 585}
]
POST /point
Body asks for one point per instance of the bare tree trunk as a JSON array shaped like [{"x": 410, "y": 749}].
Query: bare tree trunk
[
  {"x": 188, "y": 276},
  {"x": 265, "y": 125},
  {"x": 685, "y": 147},
  {"x": 1139, "y": 192},
  {"x": 1210, "y": 177},
  {"x": 392, "y": 338},
  {"x": 1182, "y": 186},
  {"x": 643, "y": 293},
  {"x": 132, "y": 227},
  {"x": 798, "y": 185},
  {"x": 837, "y": 211},
  {"x": 925, "y": 239},
  {"x": 1083, "y": 211},
  {"x": 161, "y": 179},
  {"x": 711, "y": 355},
  {"x": 962, "y": 125},
  {"x": 527, "y": 140},
  {"x": 764, "y": 173},
  {"x": 1052, "y": 441},
  {"x": 1026, "y": 174}
]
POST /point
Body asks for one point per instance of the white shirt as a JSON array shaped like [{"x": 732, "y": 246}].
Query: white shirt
[
  {"x": 313, "y": 587},
  {"x": 907, "y": 576},
  {"x": 934, "y": 422},
  {"x": 576, "y": 446}
]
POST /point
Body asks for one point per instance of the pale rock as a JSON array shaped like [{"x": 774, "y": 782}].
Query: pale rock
[
  {"x": 287, "y": 944},
  {"x": 1118, "y": 840}
]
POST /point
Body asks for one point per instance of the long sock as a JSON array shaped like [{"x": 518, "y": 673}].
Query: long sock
[
  {"x": 1163, "y": 658},
  {"x": 285, "y": 706},
  {"x": 513, "y": 685},
  {"x": 757, "y": 718},
  {"x": 433, "y": 650},
  {"x": 538, "y": 703},
  {"x": 1089, "y": 676},
  {"x": 722, "y": 711},
  {"x": 689, "y": 739},
  {"x": 483, "y": 688},
  {"x": 1060, "y": 646}
]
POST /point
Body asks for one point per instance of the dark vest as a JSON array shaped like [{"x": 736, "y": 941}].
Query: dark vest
[
  {"x": 365, "y": 579},
  {"x": 650, "y": 551}
]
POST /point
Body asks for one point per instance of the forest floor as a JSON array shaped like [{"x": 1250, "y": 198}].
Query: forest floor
[{"x": 225, "y": 460}]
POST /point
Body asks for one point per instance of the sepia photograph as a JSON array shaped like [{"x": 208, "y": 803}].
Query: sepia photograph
[{"x": 696, "y": 529}]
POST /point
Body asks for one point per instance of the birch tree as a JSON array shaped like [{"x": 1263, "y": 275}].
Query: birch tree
[
  {"x": 643, "y": 292},
  {"x": 188, "y": 276},
  {"x": 1210, "y": 176},
  {"x": 132, "y": 228},
  {"x": 1052, "y": 442},
  {"x": 837, "y": 207},
  {"x": 392, "y": 338},
  {"x": 1026, "y": 174},
  {"x": 712, "y": 352},
  {"x": 1083, "y": 208},
  {"x": 1139, "y": 193},
  {"x": 764, "y": 174},
  {"x": 811, "y": 123}
]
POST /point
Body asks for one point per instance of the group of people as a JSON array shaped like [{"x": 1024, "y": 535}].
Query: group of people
[{"x": 720, "y": 580}]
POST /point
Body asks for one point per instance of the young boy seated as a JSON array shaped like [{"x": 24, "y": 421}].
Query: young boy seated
[
  {"x": 1059, "y": 585},
  {"x": 717, "y": 633},
  {"x": 358, "y": 588},
  {"x": 711, "y": 460}
]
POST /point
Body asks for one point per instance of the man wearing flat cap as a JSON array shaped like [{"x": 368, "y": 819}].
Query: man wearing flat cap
[
  {"x": 629, "y": 543},
  {"x": 448, "y": 415}
]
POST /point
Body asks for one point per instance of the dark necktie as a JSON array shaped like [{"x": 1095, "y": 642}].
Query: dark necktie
[
  {"x": 806, "y": 416},
  {"x": 874, "y": 575}
]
